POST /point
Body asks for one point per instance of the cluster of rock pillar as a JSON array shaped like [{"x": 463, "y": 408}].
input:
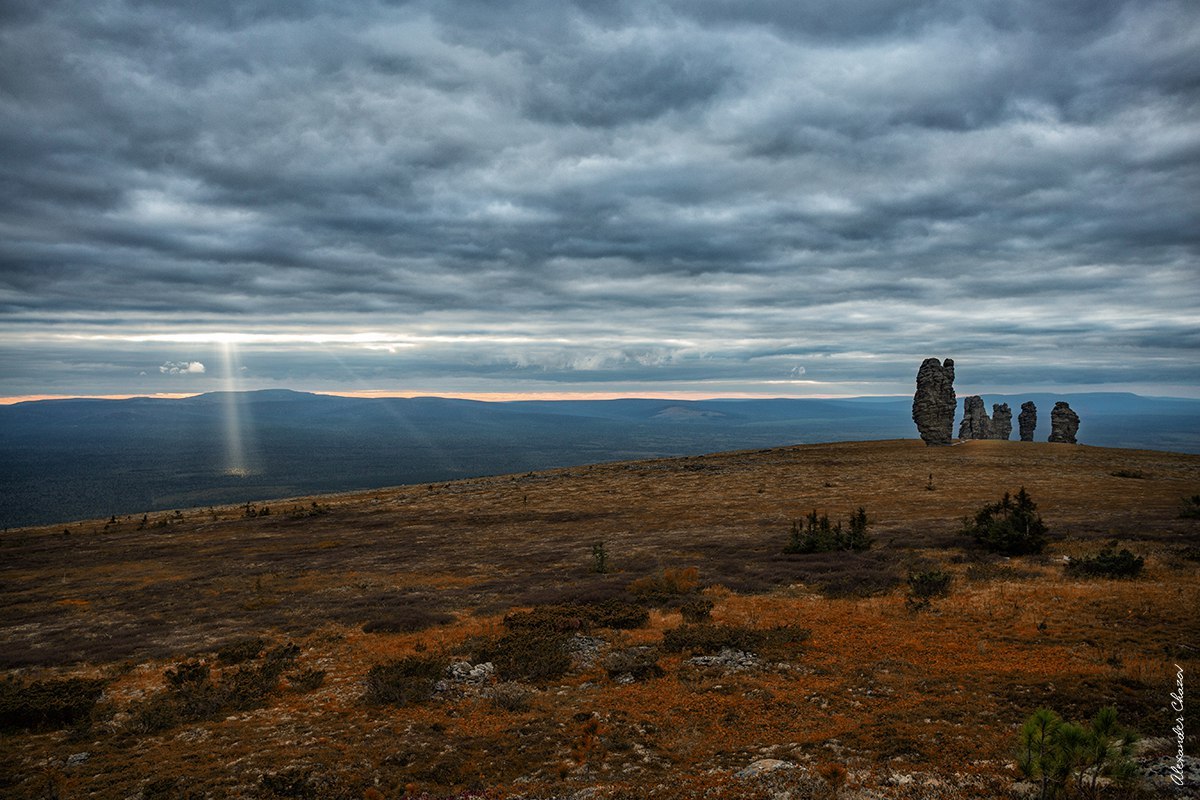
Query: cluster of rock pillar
[{"x": 935, "y": 404}]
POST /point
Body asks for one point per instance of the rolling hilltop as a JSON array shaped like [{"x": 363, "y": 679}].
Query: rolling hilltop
[
  {"x": 72, "y": 459},
  {"x": 185, "y": 620}
]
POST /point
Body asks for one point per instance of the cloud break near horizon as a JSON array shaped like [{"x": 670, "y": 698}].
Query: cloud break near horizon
[{"x": 612, "y": 198}]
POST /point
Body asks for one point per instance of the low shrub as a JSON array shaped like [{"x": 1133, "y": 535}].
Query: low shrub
[
  {"x": 47, "y": 704},
  {"x": 193, "y": 695},
  {"x": 696, "y": 608},
  {"x": 640, "y": 663},
  {"x": 170, "y": 788},
  {"x": 249, "y": 687},
  {"x": 236, "y": 651},
  {"x": 293, "y": 782},
  {"x": 1011, "y": 527},
  {"x": 571, "y": 617},
  {"x": 1129, "y": 473},
  {"x": 618, "y": 615},
  {"x": 667, "y": 585},
  {"x": 924, "y": 586},
  {"x": 284, "y": 652},
  {"x": 705, "y": 639},
  {"x": 407, "y": 681},
  {"x": 846, "y": 574},
  {"x": 187, "y": 673},
  {"x": 510, "y": 696},
  {"x": 981, "y": 571},
  {"x": 405, "y": 619},
  {"x": 528, "y": 654},
  {"x": 1108, "y": 563},
  {"x": 1190, "y": 509},
  {"x": 306, "y": 680}
]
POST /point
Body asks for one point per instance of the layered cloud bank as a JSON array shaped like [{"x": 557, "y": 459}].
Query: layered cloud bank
[{"x": 622, "y": 196}]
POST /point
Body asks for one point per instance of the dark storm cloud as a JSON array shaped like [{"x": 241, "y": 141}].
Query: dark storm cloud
[{"x": 608, "y": 192}]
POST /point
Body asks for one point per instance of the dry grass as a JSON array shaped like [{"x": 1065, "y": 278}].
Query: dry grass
[{"x": 431, "y": 571}]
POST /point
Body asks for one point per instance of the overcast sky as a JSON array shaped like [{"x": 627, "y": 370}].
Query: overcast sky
[{"x": 642, "y": 198}]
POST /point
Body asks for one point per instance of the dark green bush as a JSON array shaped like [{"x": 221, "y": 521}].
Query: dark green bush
[
  {"x": 1107, "y": 564},
  {"x": 819, "y": 535},
  {"x": 1011, "y": 527},
  {"x": 47, "y": 704},
  {"x": 926, "y": 585},
  {"x": 1063, "y": 758},
  {"x": 408, "y": 681},
  {"x": 599, "y": 558}
]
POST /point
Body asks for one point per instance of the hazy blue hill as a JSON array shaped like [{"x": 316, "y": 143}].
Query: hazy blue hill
[{"x": 73, "y": 459}]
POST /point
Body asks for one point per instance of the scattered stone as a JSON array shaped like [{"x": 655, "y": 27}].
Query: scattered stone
[
  {"x": 934, "y": 403},
  {"x": 1162, "y": 773},
  {"x": 1001, "y": 421},
  {"x": 975, "y": 422},
  {"x": 1064, "y": 423},
  {"x": 465, "y": 674},
  {"x": 728, "y": 658},
  {"x": 584, "y": 650},
  {"x": 763, "y": 766},
  {"x": 76, "y": 759},
  {"x": 1027, "y": 420}
]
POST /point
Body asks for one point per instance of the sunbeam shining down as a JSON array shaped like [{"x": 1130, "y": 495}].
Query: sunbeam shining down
[{"x": 236, "y": 462}]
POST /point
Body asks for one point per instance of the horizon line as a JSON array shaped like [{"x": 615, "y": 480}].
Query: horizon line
[
  {"x": 487, "y": 397},
  {"x": 509, "y": 397}
]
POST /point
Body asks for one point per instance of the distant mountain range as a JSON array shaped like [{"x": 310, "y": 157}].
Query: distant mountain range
[{"x": 76, "y": 459}]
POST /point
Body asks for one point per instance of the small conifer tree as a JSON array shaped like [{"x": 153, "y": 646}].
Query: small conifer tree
[{"x": 1011, "y": 527}]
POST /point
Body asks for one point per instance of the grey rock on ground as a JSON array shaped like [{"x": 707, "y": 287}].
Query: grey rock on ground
[
  {"x": 763, "y": 766},
  {"x": 1001, "y": 421},
  {"x": 975, "y": 422},
  {"x": 1064, "y": 423},
  {"x": 934, "y": 403},
  {"x": 1027, "y": 420},
  {"x": 464, "y": 673},
  {"x": 728, "y": 658}
]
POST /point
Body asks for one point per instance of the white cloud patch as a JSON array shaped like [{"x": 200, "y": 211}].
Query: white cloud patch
[{"x": 182, "y": 368}]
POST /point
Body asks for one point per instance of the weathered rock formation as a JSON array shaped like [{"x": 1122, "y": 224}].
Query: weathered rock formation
[
  {"x": 934, "y": 404},
  {"x": 1064, "y": 423},
  {"x": 1001, "y": 421},
  {"x": 975, "y": 422},
  {"x": 1027, "y": 420}
]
